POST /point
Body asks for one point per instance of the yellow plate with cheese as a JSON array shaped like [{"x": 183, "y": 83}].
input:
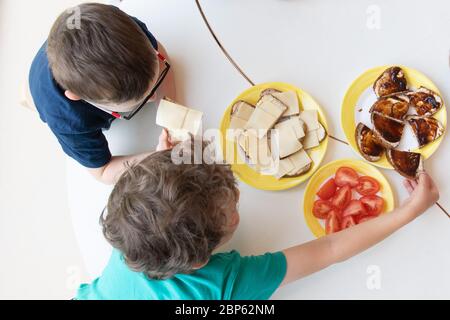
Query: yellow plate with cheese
[
  {"x": 328, "y": 171},
  {"x": 357, "y": 94},
  {"x": 250, "y": 176}
]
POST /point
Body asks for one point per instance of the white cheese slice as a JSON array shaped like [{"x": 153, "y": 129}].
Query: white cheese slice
[
  {"x": 289, "y": 98},
  {"x": 299, "y": 160},
  {"x": 179, "y": 120},
  {"x": 288, "y": 142},
  {"x": 297, "y": 125},
  {"x": 284, "y": 167},
  {"x": 243, "y": 142},
  {"x": 243, "y": 110},
  {"x": 241, "y": 113},
  {"x": 321, "y": 133},
  {"x": 311, "y": 140},
  {"x": 311, "y": 118},
  {"x": 237, "y": 123},
  {"x": 267, "y": 112}
]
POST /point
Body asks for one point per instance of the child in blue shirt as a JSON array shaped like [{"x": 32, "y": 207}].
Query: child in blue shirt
[
  {"x": 98, "y": 64},
  {"x": 165, "y": 220}
]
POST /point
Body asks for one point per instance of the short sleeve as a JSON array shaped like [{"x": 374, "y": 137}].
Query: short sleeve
[
  {"x": 89, "y": 149},
  {"x": 149, "y": 35},
  {"x": 258, "y": 277}
]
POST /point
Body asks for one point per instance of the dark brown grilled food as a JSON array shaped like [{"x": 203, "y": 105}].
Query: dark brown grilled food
[
  {"x": 408, "y": 164},
  {"x": 425, "y": 101},
  {"x": 392, "y": 106},
  {"x": 425, "y": 129},
  {"x": 388, "y": 130},
  {"x": 391, "y": 81},
  {"x": 368, "y": 143}
]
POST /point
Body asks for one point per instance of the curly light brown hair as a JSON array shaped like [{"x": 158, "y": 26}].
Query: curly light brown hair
[{"x": 167, "y": 218}]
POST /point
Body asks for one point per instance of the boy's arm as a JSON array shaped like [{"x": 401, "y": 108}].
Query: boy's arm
[
  {"x": 311, "y": 257},
  {"x": 110, "y": 173}
]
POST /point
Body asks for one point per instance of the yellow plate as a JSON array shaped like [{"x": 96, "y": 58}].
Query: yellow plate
[
  {"x": 366, "y": 80},
  {"x": 328, "y": 171},
  {"x": 246, "y": 173}
]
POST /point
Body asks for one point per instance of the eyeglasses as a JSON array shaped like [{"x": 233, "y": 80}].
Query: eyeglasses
[{"x": 162, "y": 76}]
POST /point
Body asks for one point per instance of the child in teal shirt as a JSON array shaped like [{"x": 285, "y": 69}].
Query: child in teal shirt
[{"x": 165, "y": 220}]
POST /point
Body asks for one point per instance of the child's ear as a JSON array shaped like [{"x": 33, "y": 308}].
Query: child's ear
[{"x": 71, "y": 96}]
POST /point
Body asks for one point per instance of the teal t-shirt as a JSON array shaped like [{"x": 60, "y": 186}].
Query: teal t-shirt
[{"x": 227, "y": 276}]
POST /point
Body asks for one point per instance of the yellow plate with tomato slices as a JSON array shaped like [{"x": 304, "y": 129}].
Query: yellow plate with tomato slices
[
  {"x": 360, "y": 96},
  {"x": 327, "y": 172},
  {"x": 243, "y": 171}
]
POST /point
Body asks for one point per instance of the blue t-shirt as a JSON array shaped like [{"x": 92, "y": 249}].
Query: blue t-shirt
[
  {"x": 227, "y": 276},
  {"x": 78, "y": 125}
]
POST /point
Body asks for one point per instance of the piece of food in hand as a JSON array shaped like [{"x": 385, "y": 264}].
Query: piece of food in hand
[
  {"x": 321, "y": 208},
  {"x": 395, "y": 106},
  {"x": 373, "y": 204},
  {"x": 346, "y": 176},
  {"x": 342, "y": 197},
  {"x": 290, "y": 99},
  {"x": 388, "y": 130},
  {"x": 347, "y": 222},
  {"x": 180, "y": 121},
  {"x": 425, "y": 101},
  {"x": 367, "y": 186},
  {"x": 355, "y": 207},
  {"x": 328, "y": 190},
  {"x": 392, "y": 80},
  {"x": 368, "y": 143},
  {"x": 267, "y": 112},
  {"x": 332, "y": 224},
  {"x": 426, "y": 129},
  {"x": 408, "y": 164},
  {"x": 240, "y": 114}
]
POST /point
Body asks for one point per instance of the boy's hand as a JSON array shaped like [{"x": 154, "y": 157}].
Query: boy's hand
[
  {"x": 164, "y": 141},
  {"x": 423, "y": 193}
]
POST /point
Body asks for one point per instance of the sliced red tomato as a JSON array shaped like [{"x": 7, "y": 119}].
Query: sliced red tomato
[
  {"x": 347, "y": 222},
  {"x": 355, "y": 207},
  {"x": 342, "y": 197},
  {"x": 367, "y": 186},
  {"x": 328, "y": 190},
  {"x": 332, "y": 224},
  {"x": 321, "y": 209},
  {"x": 365, "y": 218},
  {"x": 374, "y": 205},
  {"x": 346, "y": 176}
]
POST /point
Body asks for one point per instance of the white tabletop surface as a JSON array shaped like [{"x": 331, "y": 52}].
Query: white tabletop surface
[{"x": 320, "y": 46}]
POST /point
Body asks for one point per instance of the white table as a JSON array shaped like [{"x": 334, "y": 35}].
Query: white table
[{"x": 320, "y": 46}]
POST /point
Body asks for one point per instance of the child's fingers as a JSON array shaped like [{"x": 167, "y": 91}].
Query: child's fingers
[
  {"x": 163, "y": 141},
  {"x": 425, "y": 180},
  {"x": 408, "y": 186}
]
